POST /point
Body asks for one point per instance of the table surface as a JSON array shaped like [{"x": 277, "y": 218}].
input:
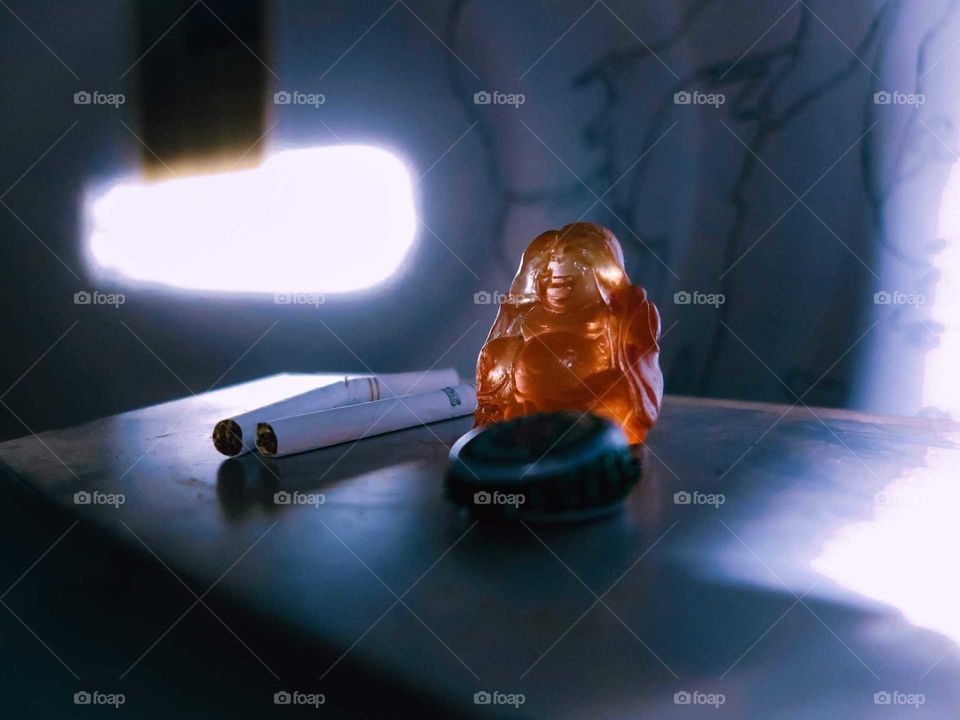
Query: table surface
[{"x": 813, "y": 567}]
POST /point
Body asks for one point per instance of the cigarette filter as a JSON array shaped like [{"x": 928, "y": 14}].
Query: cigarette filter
[
  {"x": 300, "y": 433},
  {"x": 237, "y": 435}
]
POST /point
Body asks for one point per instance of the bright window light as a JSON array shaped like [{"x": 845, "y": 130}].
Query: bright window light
[
  {"x": 941, "y": 384},
  {"x": 314, "y": 220},
  {"x": 903, "y": 555}
]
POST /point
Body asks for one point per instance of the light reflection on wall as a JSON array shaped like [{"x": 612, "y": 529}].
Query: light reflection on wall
[
  {"x": 941, "y": 382},
  {"x": 906, "y": 555},
  {"x": 314, "y": 220}
]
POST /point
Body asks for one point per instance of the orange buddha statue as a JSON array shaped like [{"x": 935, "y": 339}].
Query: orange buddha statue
[{"x": 573, "y": 334}]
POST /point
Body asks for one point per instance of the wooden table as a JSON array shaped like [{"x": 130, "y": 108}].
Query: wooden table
[{"x": 796, "y": 582}]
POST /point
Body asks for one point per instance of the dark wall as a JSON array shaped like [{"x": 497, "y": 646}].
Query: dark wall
[{"x": 689, "y": 190}]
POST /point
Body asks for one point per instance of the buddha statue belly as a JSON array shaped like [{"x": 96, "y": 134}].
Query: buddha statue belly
[
  {"x": 562, "y": 363},
  {"x": 560, "y": 354},
  {"x": 552, "y": 367}
]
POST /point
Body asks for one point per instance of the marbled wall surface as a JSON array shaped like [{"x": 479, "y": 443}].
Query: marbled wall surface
[{"x": 806, "y": 181}]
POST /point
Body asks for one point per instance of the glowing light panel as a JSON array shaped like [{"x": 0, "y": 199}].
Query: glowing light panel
[{"x": 319, "y": 220}]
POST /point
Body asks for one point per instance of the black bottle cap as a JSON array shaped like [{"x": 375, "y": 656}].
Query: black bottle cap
[{"x": 549, "y": 467}]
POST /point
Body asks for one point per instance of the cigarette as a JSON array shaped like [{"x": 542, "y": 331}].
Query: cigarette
[
  {"x": 312, "y": 431},
  {"x": 236, "y": 435}
]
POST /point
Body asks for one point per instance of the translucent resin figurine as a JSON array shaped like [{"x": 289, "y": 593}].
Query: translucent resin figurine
[{"x": 573, "y": 334}]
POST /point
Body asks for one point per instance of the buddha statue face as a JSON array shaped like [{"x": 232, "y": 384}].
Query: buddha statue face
[{"x": 567, "y": 283}]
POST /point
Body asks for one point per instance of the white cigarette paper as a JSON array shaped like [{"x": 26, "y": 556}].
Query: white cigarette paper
[
  {"x": 300, "y": 433},
  {"x": 237, "y": 435}
]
